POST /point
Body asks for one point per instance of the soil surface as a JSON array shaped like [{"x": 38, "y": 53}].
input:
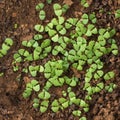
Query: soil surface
[{"x": 104, "y": 106}]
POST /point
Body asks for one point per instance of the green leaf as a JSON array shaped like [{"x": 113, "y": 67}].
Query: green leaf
[
  {"x": 42, "y": 15},
  {"x": 44, "y": 106},
  {"x": 85, "y": 18},
  {"x": 117, "y": 13},
  {"x": 39, "y": 6},
  {"x": 36, "y": 88},
  {"x": 83, "y": 118},
  {"x": 9, "y": 41},
  {"x": 109, "y": 75},
  {"x": 64, "y": 102},
  {"x": 55, "y": 38},
  {"x": 52, "y": 33},
  {"x": 57, "y": 9},
  {"x": 76, "y": 113},
  {"x": 44, "y": 95},
  {"x": 38, "y": 37},
  {"x": 55, "y": 106},
  {"x": 98, "y": 74},
  {"x": 45, "y": 43},
  {"x": 39, "y": 28}
]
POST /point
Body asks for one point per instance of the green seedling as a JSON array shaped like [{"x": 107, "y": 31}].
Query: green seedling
[
  {"x": 109, "y": 75},
  {"x": 92, "y": 17},
  {"x": 117, "y": 13},
  {"x": 6, "y": 46},
  {"x": 65, "y": 7},
  {"x": 42, "y": 15},
  {"x": 76, "y": 113},
  {"x": 36, "y": 103},
  {"x": 85, "y": 19},
  {"x": 44, "y": 106},
  {"x": 55, "y": 106},
  {"x": 64, "y": 103},
  {"x": 34, "y": 69},
  {"x": 38, "y": 37},
  {"x": 39, "y": 28},
  {"x": 57, "y": 81},
  {"x": 99, "y": 87},
  {"x": 84, "y": 3},
  {"x": 57, "y": 9},
  {"x": 110, "y": 87},
  {"x": 91, "y": 29},
  {"x": 104, "y": 33},
  {"x": 83, "y": 118},
  {"x": 40, "y": 6},
  {"x": 98, "y": 74},
  {"x": 49, "y": 1},
  {"x": 44, "y": 95},
  {"x": 71, "y": 81}
]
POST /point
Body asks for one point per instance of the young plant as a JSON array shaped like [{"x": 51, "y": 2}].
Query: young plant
[
  {"x": 42, "y": 15},
  {"x": 57, "y": 9},
  {"x": 40, "y": 6},
  {"x": 55, "y": 106},
  {"x": 109, "y": 75},
  {"x": 6, "y": 46},
  {"x": 76, "y": 113},
  {"x": 84, "y": 3},
  {"x": 117, "y": 13},
  {"x": 44, "y": 95},
  {"x": 44, "y": 106}
]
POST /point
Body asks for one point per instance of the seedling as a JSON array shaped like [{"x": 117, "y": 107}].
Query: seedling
[
  {"x": 42, "y": 15},
  {"x": 36, "y": 103},
  {"x": 76, "y": 113},
  {"x": 55, "y": 106},
  {"x": 110, "y": 87},
  {"x": 6, "y": 46},
  {"x": 84, "y": 3},
  {"x": 49, "y": 1},
  {"x": 57, "y": 9},
  {"x": 109, "y": 75},
  {"x": 40, "y": 6},
  {"x": 44, "y": 95},
  {"x": 44, "y": 106},
  {"x": 117, "y": 13}
]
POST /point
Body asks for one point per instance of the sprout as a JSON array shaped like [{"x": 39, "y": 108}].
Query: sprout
[
  {"x": 44, "y": 106},
  {"x": 57, "y": 9},
  {"x": 55, "y": 106},
  {"x": 76, "y": 113},
  {"x": 64, "y": 103},
  {"x": 49, "y": 1},
  {"x": 40, "y": 6},
  {"x": 42, "y": 15},
  {"x": 39, "y": 28},
  {"x": 92, "y": 17},
  {"x": 85, "y": 19},
  {"x": 44, "y": 95},
  {"x": 36, "y": 103},
  {"x": 117, "y": 13},
  {"x": 109, "y": 75},
  {"x": 84, "y": 3},
  {"x": 6, "y": 46}
]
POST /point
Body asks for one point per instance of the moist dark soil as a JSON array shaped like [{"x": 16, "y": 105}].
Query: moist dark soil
[{"x": 104, "y": 106}]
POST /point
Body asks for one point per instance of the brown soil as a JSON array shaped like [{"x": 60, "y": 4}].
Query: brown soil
[{"x": 104, "y": 106}]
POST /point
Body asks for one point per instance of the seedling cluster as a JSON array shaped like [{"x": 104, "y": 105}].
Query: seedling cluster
[{"x": 74, "y": 43}]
